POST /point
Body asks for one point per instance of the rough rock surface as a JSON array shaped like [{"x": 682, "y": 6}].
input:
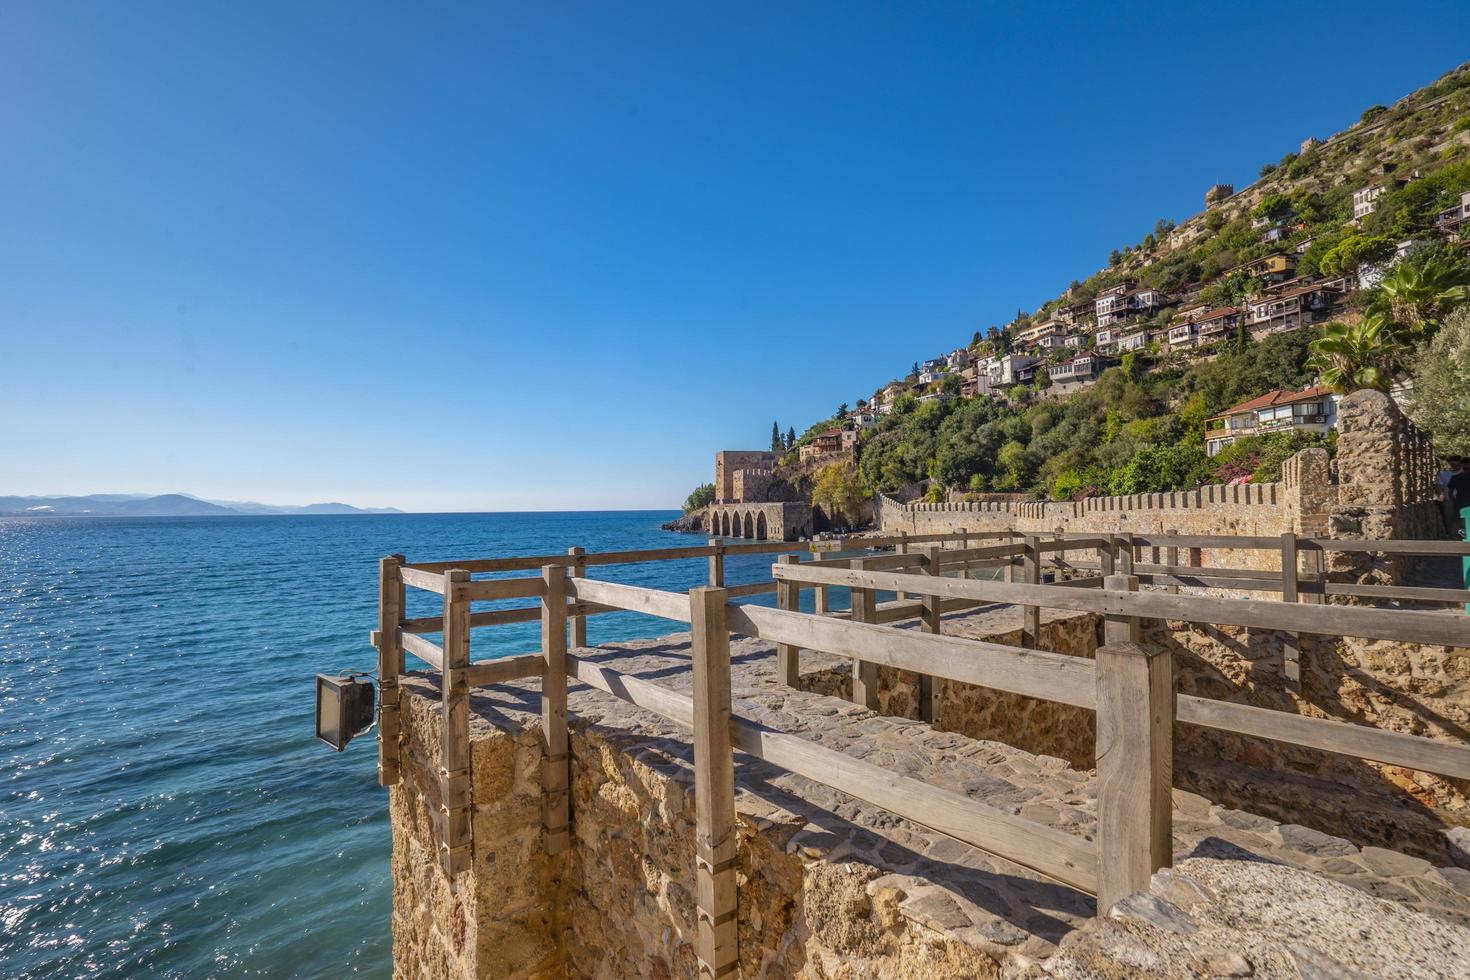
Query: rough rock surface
[
  {"x": 1208, "y": 917},
  {"x": 828, "y": 886}
]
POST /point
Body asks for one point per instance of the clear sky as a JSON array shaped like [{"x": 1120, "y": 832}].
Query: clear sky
[{"x": 545, "y": 256}]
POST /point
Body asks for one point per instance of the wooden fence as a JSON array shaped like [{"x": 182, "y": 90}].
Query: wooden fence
[{"x": 1129, "y": 684}]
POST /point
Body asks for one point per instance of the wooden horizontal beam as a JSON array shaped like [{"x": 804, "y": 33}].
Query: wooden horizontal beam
[
  {"x": 426, "y": 650},
  {"x": 1394, "y": 547},
  {"x": 753, "y": 588},
  {"x": 483, "y": 673},
  {"x": 1413, "y": 626},
  {"x": 499, "y": 617},
  {"x": 1209, "y": 541},
  {"x": 1034, "y": 673},
  {"x": 1411, "y": 593},
  {"x": 667, "y": 605},
  {"x": 1329, "y": 735},
  {"x": 500, "y": 588},
  {"x": 1054, "y": 853},
  {"x": 420, "y": 579}
]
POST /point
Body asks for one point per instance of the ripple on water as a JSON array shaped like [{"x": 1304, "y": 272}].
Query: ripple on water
[{"x": 164, "y": 810}]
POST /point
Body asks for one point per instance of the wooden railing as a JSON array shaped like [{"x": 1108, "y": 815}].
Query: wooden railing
[{"x": 1129, "y": 684}]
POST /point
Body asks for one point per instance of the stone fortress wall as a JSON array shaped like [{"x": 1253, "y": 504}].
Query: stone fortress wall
[
  {"x": 731, "y": 462},
  {"x": 1381, "y": 485}
]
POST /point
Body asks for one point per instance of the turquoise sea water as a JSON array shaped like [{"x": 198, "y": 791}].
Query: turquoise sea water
[{"x": 166, "y": 811}]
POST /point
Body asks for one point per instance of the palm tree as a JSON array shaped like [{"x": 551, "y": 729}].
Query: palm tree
[
  {"x": 1419, "y": 295},
  {"x": 1367, "y": 354}
]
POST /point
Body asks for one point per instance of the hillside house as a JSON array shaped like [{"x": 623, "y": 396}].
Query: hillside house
[
  {"x": 1034, "y": 333},
  {"x": 1290, "y": 310},
  {"x": 1135, "y": 341},
  {"x": 1450, "y": 220},
  {"x": 1182, "y": 335},
  {"x": 829, "y": 443},
  {"x": 1272, "y": 268},
  {"x": 884, "y": 397},
  {"x": 1079, "y": 372},
  {"x": 1215, "y": 325},
  {"x": 1311, "y": 410},
  {"x": 1077, "y": 313},
  {"x": 1010, "y": 369},
  {"x": 930, "y": 376},
  {"x": 1366, "y": 200},
  {"x": 1126, "y": 302}
]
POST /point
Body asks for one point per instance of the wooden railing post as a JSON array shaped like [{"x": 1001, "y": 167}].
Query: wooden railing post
[
  {"x": 1135, "y": 730},
  {"x": 902, "y": 549},
  {"x": 555, "y": 757},
  {"x": 714, "y": 784},
  {"x": 390, "y": 657},
  {"x": 1312, "y": 559},
  {"x": 1126, "y": 550},
  {"x": 579, "y": 570},
  {"x": 1171, "y": 558},
  {"x": 1291, "y": 647},
  {"x": 788, "y": 597},
  {"x": 964, "y": 546},
  {"x": 717, "y": 563},
  {"x": 1105, "y": 555},
  {"x": 454, "y": 770},
  {"x": 864, "y": 673},
  {"x": 1031, "y": 615},
  {"x": 933, "y": 622}
]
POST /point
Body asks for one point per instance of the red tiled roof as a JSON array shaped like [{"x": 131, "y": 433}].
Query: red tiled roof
[{"x": 1277, "y": 397}]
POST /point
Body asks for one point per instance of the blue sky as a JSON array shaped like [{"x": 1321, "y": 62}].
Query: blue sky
[{"x": 543, "y": 256}]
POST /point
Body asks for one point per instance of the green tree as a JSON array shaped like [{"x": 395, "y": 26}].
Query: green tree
[
  {"x": 790, "y": 439},
  {"x": 842, "y": 410},
  {"x": 838, "y": 490},
  {"x": 1419, "y": 294},
  {"x": 776, "y": 444},
  {"x": 1353, "y": 251},
  {"x": 701, "y": 496},
  {"x": 1367, "y": 354},
  {"x": 1272, "y": 207},
  {"x": 1441, "y": 403}
]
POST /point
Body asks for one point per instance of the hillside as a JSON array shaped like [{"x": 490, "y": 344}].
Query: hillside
[
  {"x": 162, "y": 505},
  {"x": 1109, "y": 387}
]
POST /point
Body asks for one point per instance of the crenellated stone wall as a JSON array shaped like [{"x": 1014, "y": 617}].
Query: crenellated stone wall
[{"x": 1383, "y": 487}]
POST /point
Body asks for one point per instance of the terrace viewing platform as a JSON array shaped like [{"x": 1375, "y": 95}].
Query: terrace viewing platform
[{"x": 985, "y": 755}]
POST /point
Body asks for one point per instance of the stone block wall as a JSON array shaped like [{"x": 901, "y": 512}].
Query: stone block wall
[{"x": 728, "y": 462}]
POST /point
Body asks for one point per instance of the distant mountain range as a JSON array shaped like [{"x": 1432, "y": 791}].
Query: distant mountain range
[{"x": 162, "y": 505}]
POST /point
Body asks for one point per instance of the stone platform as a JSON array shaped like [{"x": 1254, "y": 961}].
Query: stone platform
[{"x": 833, "y": 887}]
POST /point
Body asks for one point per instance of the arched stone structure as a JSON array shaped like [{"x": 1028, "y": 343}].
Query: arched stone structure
[{"x": 762, "y": 522}]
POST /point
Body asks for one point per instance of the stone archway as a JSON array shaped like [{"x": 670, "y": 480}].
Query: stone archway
[
  {"x": 725, "y": 526},
  {"x": 760, "y": 526},
  {"x": 749, "y": 526}
]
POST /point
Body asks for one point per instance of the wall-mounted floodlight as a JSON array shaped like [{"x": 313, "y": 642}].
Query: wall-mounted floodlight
[{"x": 344, "y": 707}]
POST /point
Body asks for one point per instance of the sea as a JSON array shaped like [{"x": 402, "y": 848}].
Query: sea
[{"x": 166, "y": 809}]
